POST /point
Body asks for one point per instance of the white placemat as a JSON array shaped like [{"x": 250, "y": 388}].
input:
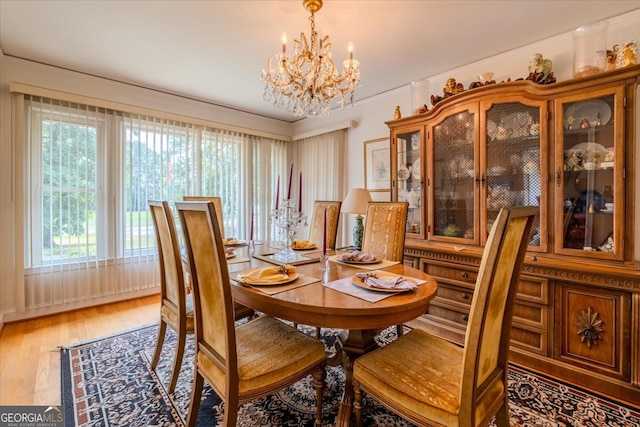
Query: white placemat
[
  {"x": 238, "y": 259},
  {"x": 346, "y": 286}
]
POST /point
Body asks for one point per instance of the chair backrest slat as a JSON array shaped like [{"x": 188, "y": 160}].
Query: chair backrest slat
[
  {"x": 171, "y": 272},
  {"x": 316, "y": 226},
  {"x": 217, "y": 203},
  {"x": 385, "y": 228},
  {"x": 488, "y": 329},
  {"x": 212, "y": 298}
]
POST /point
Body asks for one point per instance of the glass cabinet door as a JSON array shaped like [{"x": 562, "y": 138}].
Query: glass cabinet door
[
  {"x": 512, "y": 163},
  {"x": 410, "y": 179},
  {"x": 589, "y": 176},
  {"x": 455, "y": 177}
]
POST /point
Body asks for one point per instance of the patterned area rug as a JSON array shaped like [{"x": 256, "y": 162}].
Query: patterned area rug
[{"x": 108, "y": 382}]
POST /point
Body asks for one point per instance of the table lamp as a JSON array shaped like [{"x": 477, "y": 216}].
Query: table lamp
[{"x": 356, "y": 202}]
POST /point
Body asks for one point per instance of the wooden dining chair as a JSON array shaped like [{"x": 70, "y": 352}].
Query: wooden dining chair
[
  {"x": 431, "y": 381},
  {"x": 176, "y": 309},
  {"x": 385, "y": 229},
  {"x": 384, "y": 233},
  {"x": 316, "y": 227},
  {"x": 241, "y": 311},
  {"x": 245, "y": 362}
]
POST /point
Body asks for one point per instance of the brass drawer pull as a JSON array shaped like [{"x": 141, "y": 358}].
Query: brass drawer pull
[
  {"x": 465, "y": 317},
  {"x": 465, "y": 296},
  {"x": 465, "y": 275}
]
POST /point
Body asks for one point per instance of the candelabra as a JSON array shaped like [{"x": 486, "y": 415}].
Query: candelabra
[{"x": 288, "y": 218}]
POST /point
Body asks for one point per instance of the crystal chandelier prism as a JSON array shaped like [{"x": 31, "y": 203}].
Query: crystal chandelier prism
[{"x": 305, "y": 83}]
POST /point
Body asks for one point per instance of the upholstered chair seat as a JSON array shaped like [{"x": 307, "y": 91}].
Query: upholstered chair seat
[
  {"x": 171, "y": 313},
  {"x": 269, "y": 352},
  {"x": 427, "y": 383}
]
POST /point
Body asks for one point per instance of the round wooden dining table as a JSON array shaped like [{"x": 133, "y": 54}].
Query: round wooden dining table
[{"x": 318, "y": 305}]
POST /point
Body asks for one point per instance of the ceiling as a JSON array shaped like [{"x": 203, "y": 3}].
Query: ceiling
[{"x": 214, "y": 50}]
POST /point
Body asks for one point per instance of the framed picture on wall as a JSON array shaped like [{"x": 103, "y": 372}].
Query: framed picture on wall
[{"x": 377, "y": 165}]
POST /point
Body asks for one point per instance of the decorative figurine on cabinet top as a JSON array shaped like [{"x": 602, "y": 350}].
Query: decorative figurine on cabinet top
[
  {"x": 629, "y": 54},
  {"x": 540, "y": 70},
  {"x": 397, "y": 114},
  {"x": 451, "y": 88},
  {"x": 612, "y": 56}
]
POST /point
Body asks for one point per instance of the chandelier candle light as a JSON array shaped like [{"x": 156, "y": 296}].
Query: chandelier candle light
[{"x": 306, "y": 82}]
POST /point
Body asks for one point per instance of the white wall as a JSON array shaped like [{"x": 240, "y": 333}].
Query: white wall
[{"x": 370, "y": 115}]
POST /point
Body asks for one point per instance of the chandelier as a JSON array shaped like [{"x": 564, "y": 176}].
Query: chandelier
[{"x": 305, "y": 83}]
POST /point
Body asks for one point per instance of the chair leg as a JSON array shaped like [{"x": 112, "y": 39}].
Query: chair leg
[
  {"x": 177, "y": 362},
  {"x": 318, "y": 333},
  {"x": 318, "y": 382},
  {"x": 159, "y": 342},
  {"x": 400, "y": 330},
  {"x": 196, "y": 395},
  {"x": 230, "y": 417},
  {"x": 502, "y": 415},
  {"x": 357, "y": 403}
]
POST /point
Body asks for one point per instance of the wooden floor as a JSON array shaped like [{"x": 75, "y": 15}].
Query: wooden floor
[{"x": 29, "y": 354}]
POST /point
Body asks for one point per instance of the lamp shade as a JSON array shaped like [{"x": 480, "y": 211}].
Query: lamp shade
[{"x": 356, "y": 201}]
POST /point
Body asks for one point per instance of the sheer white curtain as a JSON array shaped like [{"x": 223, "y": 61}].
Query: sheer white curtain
[
  {"x": 88, "y": 174},
  {"x": 320, "y": 159}
]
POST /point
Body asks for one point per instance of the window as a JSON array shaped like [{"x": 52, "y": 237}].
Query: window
[
  {"x": 65, "y": 182},
  {"x": 89, "y": 176}
]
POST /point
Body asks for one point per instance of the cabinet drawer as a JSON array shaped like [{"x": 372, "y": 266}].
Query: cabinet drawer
[
  {"x": 530, "y": 339},
  {"x": 455, "y": 294},
  {"x": 533, "y": 289},
  {"x": 532, "y": 315},
  {"x": 459, "y": 317},
  {"x": 454, "y": 275}
]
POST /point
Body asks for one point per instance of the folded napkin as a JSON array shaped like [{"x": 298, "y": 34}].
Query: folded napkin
[
  {"x": 302, "y": 244},
  {"x": 358, "y": 257},
  {"x": 268, "y": 275},
  {"x": 395, "y": 282}
]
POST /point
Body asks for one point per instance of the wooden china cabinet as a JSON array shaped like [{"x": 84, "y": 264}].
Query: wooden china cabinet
[{"x": 569, "y": 148}]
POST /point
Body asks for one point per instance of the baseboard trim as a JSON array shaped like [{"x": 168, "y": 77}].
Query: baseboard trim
[{"x": 75, "y": 305}]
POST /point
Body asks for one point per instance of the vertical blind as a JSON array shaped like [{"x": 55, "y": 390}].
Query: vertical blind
[{"x": 89, "y": 173}]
